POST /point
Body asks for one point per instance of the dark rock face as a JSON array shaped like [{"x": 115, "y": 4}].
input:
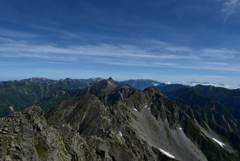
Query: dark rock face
[
  {"x": 113, "y": 122},
  {"x": 27, "y": 136},
  {"x": 90, "y": 117},
  {"x": 222, "y": 115}
]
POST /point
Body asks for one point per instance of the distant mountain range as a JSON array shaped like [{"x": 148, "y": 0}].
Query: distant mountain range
[
  {"x": 228, "y": 86},
  {"x": 70, "y": 83},
  {"x": 136, "y": 83},
  {"x": 116, "y": 122},
  {"x": 140, "y": 83},
  {"x": 20, "y": 94}
]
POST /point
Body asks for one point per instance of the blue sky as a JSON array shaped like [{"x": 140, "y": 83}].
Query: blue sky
[{"x": 188, "y": 40}]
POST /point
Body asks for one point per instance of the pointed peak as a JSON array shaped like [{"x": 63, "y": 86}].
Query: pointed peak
[
  {"x": 153, "y": 90},
  {"x": 107, "y": 80}
]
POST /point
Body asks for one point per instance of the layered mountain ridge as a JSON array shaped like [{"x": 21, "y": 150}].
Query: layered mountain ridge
[
  {"x": 110, "y": 121},
  {"x": 17, "y": 95},
  {"x": 209, "y": 106}
]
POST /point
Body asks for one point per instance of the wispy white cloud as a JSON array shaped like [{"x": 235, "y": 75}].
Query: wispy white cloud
[
  {"x": 229, "y": 86},
  {"x": 193, "y": 80},
  {"x": 184, "y": 49},
  {"x": 150, "y": 54},
  {"x": 214, "y": 66},
  {"x": 229, "y": 8},
  {"x": 140, "y": 63},
  {"x": 219, "y": 53},
  {"x": 12, "y": 48},
  {"x": 218, "y": 63}
]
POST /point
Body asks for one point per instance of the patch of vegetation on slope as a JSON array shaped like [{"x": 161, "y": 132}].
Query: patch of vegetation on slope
[
  {"x": 228, "y": 97},
  {"x": 224, "y": 121}
]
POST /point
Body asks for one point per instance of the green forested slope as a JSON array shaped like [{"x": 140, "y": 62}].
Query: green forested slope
[{"x": 21, "y": 94}]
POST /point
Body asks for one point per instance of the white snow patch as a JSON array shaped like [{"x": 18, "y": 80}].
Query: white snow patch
[
  {"x": 120, "y": 134},
  {"x": 145, "y": 106},
  {"x": 220, "y": 143},
  {"x": 135, "y": 109},
  {"x": 155, "y": 84},
  {"x": 180, "y": 128},
  {"x": 166, "y": 153},
  {"x": 110, "y": 83},
  {"x": 168, "y": 83}
]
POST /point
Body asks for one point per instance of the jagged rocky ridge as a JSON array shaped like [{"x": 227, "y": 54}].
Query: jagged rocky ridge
[
  {"x": 108, "y": 121},
  {"x": 219, "y": 113}
]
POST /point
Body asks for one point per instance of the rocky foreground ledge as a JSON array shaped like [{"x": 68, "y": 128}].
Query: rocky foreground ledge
[{"x": 27, "y": 136}]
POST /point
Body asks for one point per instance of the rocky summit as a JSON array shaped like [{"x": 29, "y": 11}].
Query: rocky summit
[{"x": 112, "y": 122}]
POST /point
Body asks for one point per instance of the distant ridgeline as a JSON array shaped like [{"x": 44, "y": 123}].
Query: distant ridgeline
[
  {"x": 115, "y": 122},
  {"x": 37, "y": 91},
  {"x": 216, "y": 103}
]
